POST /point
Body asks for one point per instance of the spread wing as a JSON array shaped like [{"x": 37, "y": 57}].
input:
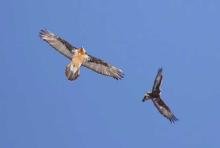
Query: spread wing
[
  {"x": 103, "y": 68},
  {"x": 157, "y": 81},
  {"x": 164, "y": 109},
  {"x": 58, "y": 43}
]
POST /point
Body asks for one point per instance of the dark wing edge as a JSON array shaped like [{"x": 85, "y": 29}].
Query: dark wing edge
[
  {"x": 158, "y": 80},
  {"x": 164, "y": 109},
  {"x": 57, "y": 43},
  {"x": 103, "y": 68}
]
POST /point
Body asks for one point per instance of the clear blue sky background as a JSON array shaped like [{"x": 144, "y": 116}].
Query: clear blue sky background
[{"x": 39, "y": 108}]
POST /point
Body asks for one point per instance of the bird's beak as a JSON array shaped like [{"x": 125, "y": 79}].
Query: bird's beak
[{"x": 144, "y": 98}]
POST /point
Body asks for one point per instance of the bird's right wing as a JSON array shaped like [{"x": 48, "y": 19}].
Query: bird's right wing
[
  {"x": 103, "y": 67},
  {"x": 164, "y": 109},
  {"x": 58, "y": 43}
]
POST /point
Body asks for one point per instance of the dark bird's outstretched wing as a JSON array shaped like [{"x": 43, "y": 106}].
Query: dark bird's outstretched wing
[
  {"x": 157, "y": 81},
  {"x": 164, "y": 109},
  {"x": 103, "y": 68},
  {"x": 58, "y": 43}
]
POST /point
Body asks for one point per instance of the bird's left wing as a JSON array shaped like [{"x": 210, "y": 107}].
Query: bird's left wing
[
  {"x": 157, "y": 81},
  {"x": 164, "y": 109},
  {"x": 58, "y": 43},
  {"x": 103, "y": 68}
]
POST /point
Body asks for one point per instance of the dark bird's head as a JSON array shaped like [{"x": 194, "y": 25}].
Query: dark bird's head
[{"x": 147, "y": 96}]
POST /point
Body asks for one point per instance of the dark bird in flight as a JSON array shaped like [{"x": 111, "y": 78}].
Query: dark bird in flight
[
  {"x": 79, "y": 57},
  {"x": 154, "y": 95}
]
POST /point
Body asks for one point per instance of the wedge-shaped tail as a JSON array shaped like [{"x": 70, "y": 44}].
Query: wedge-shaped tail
[{"x": 71, "y": 72}]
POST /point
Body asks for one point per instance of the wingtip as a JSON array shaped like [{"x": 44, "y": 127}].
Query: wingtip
[
  {"x": 42, "y": 32},
  {"x": 119, "y": 75},
  {"x": 160, "y": 69},
  {"x": 173, "y": 119}
]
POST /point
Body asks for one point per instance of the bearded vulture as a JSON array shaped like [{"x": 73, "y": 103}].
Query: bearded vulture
[
  {"x": 154, "y": 95},
  {"x": 79, "y": 57}
]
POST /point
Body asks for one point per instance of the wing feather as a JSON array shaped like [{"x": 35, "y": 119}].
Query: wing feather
[
  {"x": 164, "y": 109},
  {"x": 157, "y": 81},
  {"x": 103, "y": 67},
  {"x": 57, "y": 43}
]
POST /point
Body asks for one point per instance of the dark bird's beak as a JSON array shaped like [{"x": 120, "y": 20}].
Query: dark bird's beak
[{"x": 144, "y": 99}]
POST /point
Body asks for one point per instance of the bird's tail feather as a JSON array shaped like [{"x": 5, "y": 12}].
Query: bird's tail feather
[{"x": 71, "y": 72}]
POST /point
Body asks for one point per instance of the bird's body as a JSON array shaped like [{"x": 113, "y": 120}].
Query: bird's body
[
  {"x": 79, "y": 57},
  {"x": 154, "y": 96},
  {"x": 73, "y": 69},
  {"x": 151, "y": 95}
]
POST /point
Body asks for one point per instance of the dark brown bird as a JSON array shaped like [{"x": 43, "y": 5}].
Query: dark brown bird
[{"x": 154, "y": 95}]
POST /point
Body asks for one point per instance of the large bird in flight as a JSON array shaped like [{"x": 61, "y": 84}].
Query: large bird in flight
[
  {"x": 79, "y": 57},
  {"x": 154, "y": 95}
]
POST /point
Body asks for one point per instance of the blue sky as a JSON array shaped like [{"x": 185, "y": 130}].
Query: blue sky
[{"x": 39, "y": 108}]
